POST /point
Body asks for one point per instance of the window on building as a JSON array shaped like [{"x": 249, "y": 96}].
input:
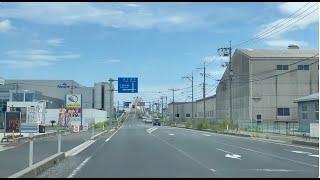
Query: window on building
[
  {"x": 304, "y": 107},
  {"x": 283, "y": 112},
  {"x": 29, "y": 97},
  {"x": 177, "y": 115},
  {"x": 258, "y": 116},
  {"x": 303, "y": 67},
  {"x": 17, "y": 96},
  {"x": 304, "y": 116},
  {"x": 282, "y": 67},
  {"x": 279, "y": 67},
  {"x": 187, "y": 115}
]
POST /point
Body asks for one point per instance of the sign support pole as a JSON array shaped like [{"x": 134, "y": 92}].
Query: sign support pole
[{"x": 31, "y": 149}]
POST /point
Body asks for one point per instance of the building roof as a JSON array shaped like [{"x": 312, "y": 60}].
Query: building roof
[
  {"x": 311, "y": 97},
  {"x": 280, "y": 53},
  {"x": 209, "y": 97}
]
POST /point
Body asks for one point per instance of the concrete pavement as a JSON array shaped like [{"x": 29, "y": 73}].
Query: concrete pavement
[{"x": 143, "y": 150}]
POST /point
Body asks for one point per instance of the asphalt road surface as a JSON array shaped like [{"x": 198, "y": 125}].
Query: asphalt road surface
[
  {"x": 17, "y": 158},
  {"x": 142, "y": 150}
]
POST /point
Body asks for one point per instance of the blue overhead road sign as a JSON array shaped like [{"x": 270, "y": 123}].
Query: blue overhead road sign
[{"x": 127, "y": 85}]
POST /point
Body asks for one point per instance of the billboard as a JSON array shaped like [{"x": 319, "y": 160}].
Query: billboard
[
  {"x": 72, "y": 112},
  {"x": 73, "y": 100},
  {"x": 12, "y": 122}
]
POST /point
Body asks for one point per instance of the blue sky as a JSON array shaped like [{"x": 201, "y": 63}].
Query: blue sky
[{"x": 156, "y": 42}]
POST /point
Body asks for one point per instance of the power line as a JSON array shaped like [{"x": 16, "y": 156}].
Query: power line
[{"x": 264, "y": 35}]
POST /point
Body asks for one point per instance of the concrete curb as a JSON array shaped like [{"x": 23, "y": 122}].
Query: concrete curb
[
  {"x": 39, "y": 167},
  {"x": 95, "y": 136},
  {"x": 306, "y": 143}
]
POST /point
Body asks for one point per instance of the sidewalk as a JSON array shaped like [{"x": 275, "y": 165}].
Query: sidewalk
[
  {"x": 279, "y": 138},
  {"x": 15, "y": 155}
]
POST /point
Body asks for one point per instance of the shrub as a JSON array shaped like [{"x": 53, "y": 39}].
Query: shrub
[
  {"x": 202, "y": 125},
  {"x": 188, "y": 124}
]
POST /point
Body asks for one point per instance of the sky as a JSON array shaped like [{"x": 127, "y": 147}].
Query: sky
[{"x": 157, "y": 42}]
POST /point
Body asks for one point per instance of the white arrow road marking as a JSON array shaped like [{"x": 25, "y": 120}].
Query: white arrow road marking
[
  {"x": 171, "y": 134},
  {"x": 150, "y": 130},
  {"x": 206, "y": 135},
  {"x": 230, "y": 155},
  {"x": 303, "y": 152},
  {"x": 213, "y": 170}
]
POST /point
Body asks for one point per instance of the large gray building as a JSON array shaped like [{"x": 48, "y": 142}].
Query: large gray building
[
  {"x": 103, "y": 97},
  {"x": 264, "y": 84},
  {"x": 54, "y": 91}
]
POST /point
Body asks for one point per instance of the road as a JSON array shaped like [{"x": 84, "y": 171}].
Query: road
[
  {"x": 139, "y": 150},
  {"x": 16, "y": 157}
]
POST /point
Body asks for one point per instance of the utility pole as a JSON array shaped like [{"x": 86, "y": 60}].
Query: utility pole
[
  {"x": 204, "y": 89},
  {"x": 173, "y": 115},
  {"x": 162, "y": 107},
  {"x": 191, "y": 79},
  {"x": 228, "y": 52},
  {"x": 110, "y": 97}
]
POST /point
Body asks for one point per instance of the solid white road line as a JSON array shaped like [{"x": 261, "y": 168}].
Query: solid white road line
[
  {"x": 74, "y": 172},
  {"x": 113, "y": 134},
  {"x": 206, "y": 135},
  {"x": 274, "y": 170},
  {"x": 171, "y": 134}
]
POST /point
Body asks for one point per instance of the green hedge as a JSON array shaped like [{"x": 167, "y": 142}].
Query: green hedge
[{"x": 100, "y": 124}]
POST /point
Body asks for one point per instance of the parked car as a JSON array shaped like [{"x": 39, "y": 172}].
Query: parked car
[
  {"x": 148, "y": 121},
  {"x": 156, "y": 122}
]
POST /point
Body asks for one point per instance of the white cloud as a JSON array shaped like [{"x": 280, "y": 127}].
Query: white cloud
[
  {"x": 274, "y": 31},
  {"x": 113, "y": 61},
  {"x": 132, "y": 5},
  {"x": 5, "y": 25},
  {"x": 24, "y": 64},
  {"x": 82, "y": 12},
  {"x": 285, "y": 42},
  {"x": 35, "y": 58},
  {"x": 54, "y": 42}
]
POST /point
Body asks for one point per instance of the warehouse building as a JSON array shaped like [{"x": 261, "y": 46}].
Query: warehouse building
[
  {"x": 210, "y": 109},
  {"x": 264, "y": 84},
  {"x": 183, "y": 110}
]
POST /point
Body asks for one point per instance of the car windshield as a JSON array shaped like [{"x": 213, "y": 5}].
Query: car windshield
[{"x": 159, "y": 89}]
